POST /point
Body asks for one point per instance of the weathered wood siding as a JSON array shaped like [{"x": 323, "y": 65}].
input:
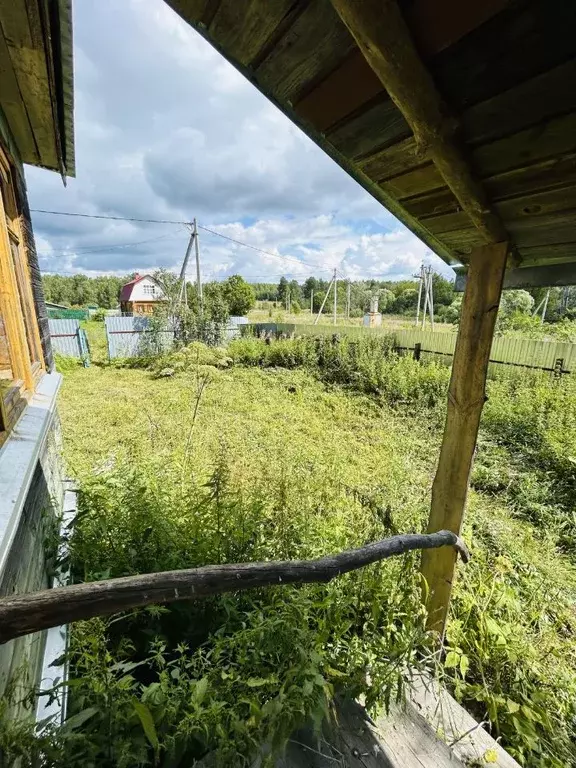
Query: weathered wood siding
[{"x": 30, "y": 564}]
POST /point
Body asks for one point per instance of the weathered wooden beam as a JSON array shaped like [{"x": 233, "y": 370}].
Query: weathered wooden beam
[
  {"x": 22, "y": 614},
  {"x": 543, "y": 276},
  {"x": 385, "y": 40},
  {"x": 466, "y": 396}
]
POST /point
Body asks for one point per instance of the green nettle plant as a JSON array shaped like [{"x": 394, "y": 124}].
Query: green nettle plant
[{"x": 230, "y": 460}]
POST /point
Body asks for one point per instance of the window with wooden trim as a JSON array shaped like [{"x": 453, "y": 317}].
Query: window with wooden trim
[{"x": 21, "y": 359}]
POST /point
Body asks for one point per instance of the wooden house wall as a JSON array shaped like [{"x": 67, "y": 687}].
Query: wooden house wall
[
  {"x": 9, "y": 146},
  {"x": 29, "y": 567}
]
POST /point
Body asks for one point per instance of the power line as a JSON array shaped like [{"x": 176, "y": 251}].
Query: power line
[
  {"x": 186, "y": 223},
  {"x": 260, "y": 250},
  {"x": 103, "y": 248},
  {"x": 111, "y": 218}
]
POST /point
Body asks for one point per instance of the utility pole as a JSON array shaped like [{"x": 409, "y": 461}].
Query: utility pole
[
  {"x": 431, "y": 300},
  {"x": 428, "y": 296},
  {"x": 198, "y": 277},
  {"x": 183, "y": 296},
  {"x": 348, "y": 289},
  {"x": 324, "y": 301},
  {"x": 419, "y": 293},
  {"x": 335, "y": 296},
  {"x": 425, "y": 308},
  {"x": 545, "y": 305}
]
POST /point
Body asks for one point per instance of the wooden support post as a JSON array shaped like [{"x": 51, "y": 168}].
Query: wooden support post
[{"x": 466, "y": 397}]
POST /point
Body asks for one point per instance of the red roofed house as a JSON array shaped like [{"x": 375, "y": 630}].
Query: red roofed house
[{"x": 141, "y": 295}]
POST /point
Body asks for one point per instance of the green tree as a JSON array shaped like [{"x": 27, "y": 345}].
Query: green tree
[
  {"x": 283, "y": 288},
  {"x": 443, "y": 290},
  {"x": 238, "y": 294}
]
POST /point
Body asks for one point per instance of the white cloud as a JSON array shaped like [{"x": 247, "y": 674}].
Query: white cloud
[{"x": 167, "y": 129}]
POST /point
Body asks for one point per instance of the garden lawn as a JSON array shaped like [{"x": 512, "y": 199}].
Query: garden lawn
[{"x": 223, "y": 463}]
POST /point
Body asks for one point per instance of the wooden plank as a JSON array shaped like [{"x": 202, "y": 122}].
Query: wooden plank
[
  {"x": 438, "y": 24},
  {"x": 14, "y": 109},
  {"x": 350, "y": 86},
  {"x": 553, "y": 174},
  {"x": 550, "y": 139},
  {"x": 544, "y": 209},
  {"x": 543, "y": 97},
  {"x": 544, "y": 275},
  {"x": 546, "y": 174},
  {"x": 378, "y": 127},
  {"x": 470, "y": 743},
  {"x": 315, "y": 44},
  {"x": 424, "y": 179},
  {"x": 394, "y": 160},
  {"x": 557, "y": 253},
  {"x": 243, "y": 27},
  {"x": 527, "y": 160},
  {"x": 461, "y": 242},
  {"x": 383, "y": 37},
  {"x": 435, "y": 26},
  {"x": 23, "y": 32},
  {"x": 408, "y": 741},
  {"x": 544, "y": 230},
  {"x": 519, "y": 43},
  {"x": 465, "y": 402},
  {"x": 433, "y": 203}
]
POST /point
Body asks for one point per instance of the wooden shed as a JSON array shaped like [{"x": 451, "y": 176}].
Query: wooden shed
[{"x": 460, "y": 118}]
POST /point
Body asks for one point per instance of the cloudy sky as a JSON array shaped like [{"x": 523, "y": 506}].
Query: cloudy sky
[{"x": 167, "y": 129}]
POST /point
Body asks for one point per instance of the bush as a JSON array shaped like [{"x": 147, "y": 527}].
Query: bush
[
  {"x": 368, "y": 365},
  {"x": 227, "y": 675}
]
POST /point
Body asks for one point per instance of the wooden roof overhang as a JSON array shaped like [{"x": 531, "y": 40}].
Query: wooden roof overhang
[
  {"x": 36, "y": 82},
  {"x": 473, "y": 139}
]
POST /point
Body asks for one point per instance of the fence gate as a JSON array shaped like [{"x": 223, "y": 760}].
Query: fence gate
[
  {"x": 69, "y": 340},
  {"x": 129, "y": 337}
]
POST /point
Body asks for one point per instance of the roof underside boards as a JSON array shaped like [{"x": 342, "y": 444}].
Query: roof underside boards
[
  {"x": 506, "y": 70},
  {"x": 36, "y": 80}
]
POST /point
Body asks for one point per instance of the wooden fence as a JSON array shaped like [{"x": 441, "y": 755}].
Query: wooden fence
[{"x": 528, "y": 353}]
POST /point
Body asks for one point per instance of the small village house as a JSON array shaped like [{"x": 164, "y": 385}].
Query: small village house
[
  {"x": 141, "y": 295},
  {"x": 35, "y": 128}
]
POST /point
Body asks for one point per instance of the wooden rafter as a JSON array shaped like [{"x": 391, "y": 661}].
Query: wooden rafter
[{"x": 385, "y": 40}]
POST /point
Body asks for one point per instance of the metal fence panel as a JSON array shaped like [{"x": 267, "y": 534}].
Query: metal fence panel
[
  {"x": 129, "y": 337},
  {"x": 64, "y": 335},
  {"x": 535, "y": 353}
]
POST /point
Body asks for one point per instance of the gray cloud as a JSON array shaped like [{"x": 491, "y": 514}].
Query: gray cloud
[{"x": 165, "y": 128}]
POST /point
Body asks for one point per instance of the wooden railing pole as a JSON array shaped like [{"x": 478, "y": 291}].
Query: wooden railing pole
[
  {"x": 466, "y": 398},
  {"x": 32, "y": 612}
]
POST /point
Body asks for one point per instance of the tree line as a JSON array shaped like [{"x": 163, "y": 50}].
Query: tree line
[
  {"x": 236, "y": 296},
  {"x": 395, "y": 297}
]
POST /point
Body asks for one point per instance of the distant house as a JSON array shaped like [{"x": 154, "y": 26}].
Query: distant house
[{"x": 141, "y": 295}]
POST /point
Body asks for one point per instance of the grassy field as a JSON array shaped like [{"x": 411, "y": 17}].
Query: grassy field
[
  {"x": 393, "y": 322},
  {"x": 294, "y": 450}
]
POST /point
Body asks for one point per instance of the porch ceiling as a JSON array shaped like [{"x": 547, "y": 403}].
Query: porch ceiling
[
  {"x": 36, "y": 89},
  {"x": 505, "y": 72}
]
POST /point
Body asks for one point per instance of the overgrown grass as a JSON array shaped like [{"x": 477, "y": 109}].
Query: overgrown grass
[{"x": 298, "y": 449}]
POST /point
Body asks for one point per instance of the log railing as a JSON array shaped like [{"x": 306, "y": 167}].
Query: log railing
[{"x": 23, "y": 614}]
